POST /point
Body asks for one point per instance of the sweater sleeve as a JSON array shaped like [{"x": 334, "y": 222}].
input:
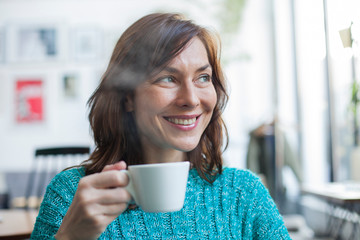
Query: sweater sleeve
[
  {"x": 57, "y": 200},
  {"x": 267, "y": 221}
]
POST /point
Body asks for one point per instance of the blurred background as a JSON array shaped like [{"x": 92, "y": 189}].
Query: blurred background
[{"x": 293, "y": 73}]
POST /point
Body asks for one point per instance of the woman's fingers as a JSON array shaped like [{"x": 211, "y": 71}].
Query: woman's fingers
[
  {"x": 113, "y": 210},
  {"x": 113, "y": 196},
  {"x": 106, "y": 179},
  {"x": 117, "y": 166},
  {"x": 99, "y": 199},
  {"x": 104, "y": 188}
]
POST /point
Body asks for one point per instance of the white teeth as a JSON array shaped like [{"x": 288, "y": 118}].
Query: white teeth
[{"x": 182, "y": 121}]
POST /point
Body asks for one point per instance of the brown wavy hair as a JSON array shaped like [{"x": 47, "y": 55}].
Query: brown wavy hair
[{"x": 144, "y": 49}]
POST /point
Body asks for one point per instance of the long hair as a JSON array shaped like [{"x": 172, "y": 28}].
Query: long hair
[{"x": 144, "y": 49}]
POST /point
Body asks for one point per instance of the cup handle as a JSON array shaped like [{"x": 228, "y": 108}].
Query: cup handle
[{"x": 130, "y": 187}]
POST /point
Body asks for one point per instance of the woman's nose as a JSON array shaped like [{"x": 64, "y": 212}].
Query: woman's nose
[{"x": 187, "y": 96}]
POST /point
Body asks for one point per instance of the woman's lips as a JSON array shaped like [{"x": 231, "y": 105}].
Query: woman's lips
[
  {"x": 184, "y": 122},
  {"x": 181, "y": 121}
]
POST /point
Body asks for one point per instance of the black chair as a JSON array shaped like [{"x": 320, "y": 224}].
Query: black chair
[{"x": 47, "y": 163}]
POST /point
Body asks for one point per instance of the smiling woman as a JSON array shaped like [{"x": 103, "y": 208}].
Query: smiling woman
[
  {"x": 160, "y": 101},
  {"x": 163, "y": 67},
  {"x": 181, "y": 105}
]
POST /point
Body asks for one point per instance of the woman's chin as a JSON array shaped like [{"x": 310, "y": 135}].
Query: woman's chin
[{"x": 187, "y": 147}]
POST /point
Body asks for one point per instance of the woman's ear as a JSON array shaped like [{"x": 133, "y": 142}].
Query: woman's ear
[{"x": 129, "y": 103}]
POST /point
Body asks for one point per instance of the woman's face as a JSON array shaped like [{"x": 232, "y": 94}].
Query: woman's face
[{"x": 173, "y": 108}]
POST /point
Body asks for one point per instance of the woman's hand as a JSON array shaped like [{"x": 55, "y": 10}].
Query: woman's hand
[{"x": 99, "y": 199}]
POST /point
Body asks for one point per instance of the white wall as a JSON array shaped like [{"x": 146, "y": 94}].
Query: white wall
[{"x": 66, "y": 120}]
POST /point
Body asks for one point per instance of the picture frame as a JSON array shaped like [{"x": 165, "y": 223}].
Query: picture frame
[
  {"x": 2, "y": 45},
  {"x": 34, "y": 42},
  {"x": 29, "y": 100},
  {"x": 86, "y": 44},
  {"x": 70, "y": 85},
  {"x": 4, "y": 93}
]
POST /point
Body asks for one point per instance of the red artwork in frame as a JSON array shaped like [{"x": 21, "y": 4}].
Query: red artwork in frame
[{"x": 29, "y": 100}]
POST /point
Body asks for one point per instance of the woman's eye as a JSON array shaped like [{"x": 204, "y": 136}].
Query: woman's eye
[
  {"x": 166, "y": 80},
  {"x": 204, "y": 78}
]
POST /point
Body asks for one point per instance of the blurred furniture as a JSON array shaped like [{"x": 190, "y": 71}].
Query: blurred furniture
[
  {"x": 16, "y": 223},
  {"x": 342, "y": 208},
  {"x": 260, "y": 156},
  {"x": 266, "y": 146},
  {"x": 4, "y": 195},
  {"x": 46, "y": 164},
  {"x": 4, "y": 200}
]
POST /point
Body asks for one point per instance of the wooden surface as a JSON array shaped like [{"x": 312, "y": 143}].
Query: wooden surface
[{"x": 16, "y": 223}]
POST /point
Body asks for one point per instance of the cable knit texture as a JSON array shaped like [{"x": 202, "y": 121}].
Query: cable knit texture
[{"x": 235, "y": 206}]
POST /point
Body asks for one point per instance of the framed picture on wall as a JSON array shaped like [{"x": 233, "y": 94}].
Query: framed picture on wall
[
  {"x": 29, "y": 100},
  {"x": 35, "y": 42},
  {"x": 86, "y": 44},
  {"x": 70, "y": 85},
  {"x": 2, "y": 45}
]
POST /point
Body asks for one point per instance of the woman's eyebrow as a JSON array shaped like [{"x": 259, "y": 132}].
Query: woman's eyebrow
[
  {"x": 175, "y": 70},
  {"x": 200, "y": 69}
]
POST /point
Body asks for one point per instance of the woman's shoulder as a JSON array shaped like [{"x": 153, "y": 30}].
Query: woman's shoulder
[
  {"x": 231, "y": 177},
  {"x": 239, "y": 172},
  {"x": 238, "y": 175},
  {"x": 73, "y": 173},
  {"x": 243, "y": 179},
  {"x": 68, "y": 178}
]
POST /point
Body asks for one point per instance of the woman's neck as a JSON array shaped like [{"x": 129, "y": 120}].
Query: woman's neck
[{"x": 164, "y": 155}]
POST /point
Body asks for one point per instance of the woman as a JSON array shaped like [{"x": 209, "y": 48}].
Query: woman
[{"x": 160, "y": 100}]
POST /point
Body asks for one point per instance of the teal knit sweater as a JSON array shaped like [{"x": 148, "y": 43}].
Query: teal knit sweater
[{"x": 235, "y": 206}]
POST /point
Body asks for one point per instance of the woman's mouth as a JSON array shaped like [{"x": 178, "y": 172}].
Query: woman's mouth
[
  {"x": 185, "y": 123},
  {"x": 181, "y": 121}
]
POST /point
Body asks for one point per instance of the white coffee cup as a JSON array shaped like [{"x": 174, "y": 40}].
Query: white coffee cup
[{"x": 158, "y": 187}]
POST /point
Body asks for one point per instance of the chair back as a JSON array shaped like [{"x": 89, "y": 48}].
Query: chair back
[{"x": 47, "y": 163}]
